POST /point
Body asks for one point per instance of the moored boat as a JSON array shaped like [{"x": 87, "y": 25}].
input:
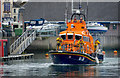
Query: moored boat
[
  {"x": 96, "y": 27},
  {"x": 70, "y": 52},
  {"x": 41, "y": 24}
]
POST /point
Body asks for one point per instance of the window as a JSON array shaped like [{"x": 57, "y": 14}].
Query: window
[
  {"x": 86, "y": 39},
  {"x": 115, "y": 26},
  {"x": 40, "y": 22},
  {"x": 107, "y": 25},
  {"x": 6, "y": 6},
  {"x": 78, "y": 37},
  {"x": 0, "y": 43},
  {"x": 4, "y": 44},
  {"x": 33, "y": 22},
  {"x": 6, "y": 15},
  {"x": 15, "y": 26},
  {"x": 14, "y": 10},
  {"x": 14, "y": 18},
  {"x": 70, "y": 37},
  {"x": 63, "y": 37}
]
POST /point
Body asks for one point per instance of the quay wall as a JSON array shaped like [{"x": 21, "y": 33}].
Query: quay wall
[
  {"x": 107, "y": 42},
  {"x": 42, "y": 44}
]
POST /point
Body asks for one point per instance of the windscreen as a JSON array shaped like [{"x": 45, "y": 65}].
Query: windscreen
[
  {"x": 63, "y": 37},
  {"x": 78, "y": 37},
  {"x": 70, "y": 37}
]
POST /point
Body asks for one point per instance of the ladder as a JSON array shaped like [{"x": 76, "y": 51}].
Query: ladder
[{"x": 23, "y": 42}]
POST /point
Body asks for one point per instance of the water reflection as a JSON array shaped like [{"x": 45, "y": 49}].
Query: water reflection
[
  {"x": 73, "y": 70},
  {"x": 1, "y": 69}
]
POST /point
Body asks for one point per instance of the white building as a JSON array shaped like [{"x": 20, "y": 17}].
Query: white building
[
  {"x": 7, "y": 8},
  {"x": 16, "y": 15},
  {"x": 11, "y": 13}
]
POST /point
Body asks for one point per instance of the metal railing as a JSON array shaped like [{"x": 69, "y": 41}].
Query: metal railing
[
  {"x": 27, "y": 37},
  {"x": 23, "y": 42}
]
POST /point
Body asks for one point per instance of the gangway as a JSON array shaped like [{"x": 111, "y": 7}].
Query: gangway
[
  {"x": 29, "y": 36},
  {"x": 23, "y": 42}
]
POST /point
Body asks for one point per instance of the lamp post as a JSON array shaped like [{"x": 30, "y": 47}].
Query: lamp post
[
  {"x": 21, "y": 10},
  {"x": 1, "y": 17}
]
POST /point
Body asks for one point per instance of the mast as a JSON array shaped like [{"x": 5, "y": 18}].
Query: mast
[
  {"x": 80, "y": 5},
  {"x": 87, "y": 10},
  {"x": 72, "y": 7},
  {"x": 66, "y": 11}
]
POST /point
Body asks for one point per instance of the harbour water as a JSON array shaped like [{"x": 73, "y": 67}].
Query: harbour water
[{"x": 41, "y": 66}]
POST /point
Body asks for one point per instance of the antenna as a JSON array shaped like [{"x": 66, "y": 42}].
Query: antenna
[
  {"x": 80, "y": 7},
  {"x": 80, "y": 2},
  {"x": 87, "y": 10}
]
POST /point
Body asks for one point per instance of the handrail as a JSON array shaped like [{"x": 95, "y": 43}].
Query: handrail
[
  {"x": 27, "y": 42},
  {"x": 21, "y": 39},
  {"x": 26, "y": 39}
]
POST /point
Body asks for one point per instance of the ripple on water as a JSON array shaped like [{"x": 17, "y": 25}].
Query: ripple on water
[{"x": 26, "y": 69}]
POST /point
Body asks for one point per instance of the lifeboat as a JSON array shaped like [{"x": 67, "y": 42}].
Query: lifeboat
[{"x": 70, "y": 52}]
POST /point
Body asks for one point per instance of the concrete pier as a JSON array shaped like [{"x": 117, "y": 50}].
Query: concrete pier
[
  {"x": 42, "y": 44},
  {"x": 17, "y": 57}
]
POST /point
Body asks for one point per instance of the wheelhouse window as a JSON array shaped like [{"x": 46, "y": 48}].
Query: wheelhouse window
[
  {"x": 86, "y": 39},
  {"x": 63, "y": 37},
  {"x": 70, "y": 37},
  {"x": 78, "y": 37}
]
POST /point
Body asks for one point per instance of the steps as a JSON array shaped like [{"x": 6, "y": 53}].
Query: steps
[{"x": 23, "y": 42}]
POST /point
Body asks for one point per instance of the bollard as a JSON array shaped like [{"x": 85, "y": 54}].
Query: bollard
[
  {"x": 115, "y": 51},
  {"x": 103, "y": 52},
  {"x": 46, "y": 55}
]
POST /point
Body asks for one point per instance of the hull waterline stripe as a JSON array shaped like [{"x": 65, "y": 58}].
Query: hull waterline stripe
[{"x": 73, "y": 54}]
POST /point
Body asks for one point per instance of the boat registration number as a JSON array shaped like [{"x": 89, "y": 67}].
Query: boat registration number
[{"x": 81, "y": 58}]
